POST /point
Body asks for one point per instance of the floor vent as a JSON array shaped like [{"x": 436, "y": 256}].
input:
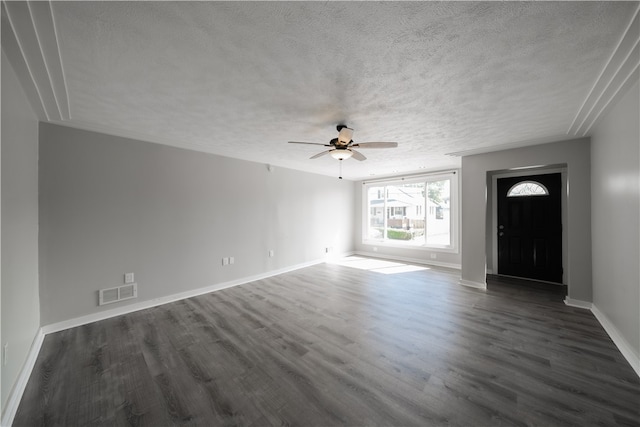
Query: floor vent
[{"x": 120, "y": 293}]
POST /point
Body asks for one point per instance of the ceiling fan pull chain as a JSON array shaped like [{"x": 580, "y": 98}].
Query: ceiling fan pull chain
[{"x": 340, "y": 177}]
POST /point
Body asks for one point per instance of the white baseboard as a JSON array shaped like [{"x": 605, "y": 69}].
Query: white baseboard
[
  {"x": 471, "y": 284},
  {"x": 18, "y": 389},
  {"x": 94, "y": 317},
  {"x": 15, "y": 395},
  {"x": 409, "y": 260},
  {"x": 577, "y": 303},
  {"x": 623, "y": 345}
]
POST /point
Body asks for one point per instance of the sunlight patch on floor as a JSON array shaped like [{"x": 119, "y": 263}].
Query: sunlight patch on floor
[{"x": 378, "y": 265}]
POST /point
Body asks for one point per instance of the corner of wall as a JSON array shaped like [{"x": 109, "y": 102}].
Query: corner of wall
[
  {"x": 20, "y": 318},
  {"x": 15, "y": 395},
  {"x": 618, "y": 339}
]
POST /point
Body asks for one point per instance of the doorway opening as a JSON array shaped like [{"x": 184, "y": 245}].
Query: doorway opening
[{"x": 527, "y": 213}]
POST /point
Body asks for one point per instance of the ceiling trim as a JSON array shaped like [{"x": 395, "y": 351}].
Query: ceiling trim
[
  {"x": 12, "y": 50},
  {"x": 45, "y": 27},
  {"x": 34, "y": 33},
  {"x": 616, "y": 74}
]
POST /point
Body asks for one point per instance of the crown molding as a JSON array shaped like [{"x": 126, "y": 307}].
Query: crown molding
[
  {"x": 619, "y": 71},
  {"x": 12, "y": 52},
  {"x": 32, "y": 48},
  {"x": 45, "y": 27}
]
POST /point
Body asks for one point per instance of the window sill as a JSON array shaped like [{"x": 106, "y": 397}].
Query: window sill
[{"x": 424, "y": 248}]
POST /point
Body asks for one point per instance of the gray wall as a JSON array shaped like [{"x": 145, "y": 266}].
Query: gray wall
[
  {"x": 615, "y": 183},
  {"x": 421, "y": 255},
  {"x": 110, "y": 205},
  {"x": 20, "y": 304},
  {"x": 575, "y": 155}
]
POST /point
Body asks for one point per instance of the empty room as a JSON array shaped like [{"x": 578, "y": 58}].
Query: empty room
[{"x": 320, "y": 213}]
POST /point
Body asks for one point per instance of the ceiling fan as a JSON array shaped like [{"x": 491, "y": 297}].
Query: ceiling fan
[{"x": 343, "y": 146}]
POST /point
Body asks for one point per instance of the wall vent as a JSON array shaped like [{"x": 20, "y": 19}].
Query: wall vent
[{"x": 120, "y": 293}]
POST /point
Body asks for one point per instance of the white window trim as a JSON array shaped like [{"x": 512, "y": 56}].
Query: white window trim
[{"x": 454, "y": 212}]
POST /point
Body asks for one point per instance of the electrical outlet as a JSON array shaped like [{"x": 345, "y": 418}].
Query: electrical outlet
[
  {"x": 5, "y": 354},
  {"x": 129, "y": 278},
  {"x": 232, "y": 260},
  {"x": 225, "y": 261},
  {"x": 271, "y": 253}
]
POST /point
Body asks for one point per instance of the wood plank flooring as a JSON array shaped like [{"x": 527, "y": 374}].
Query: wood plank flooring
[{"x": 334, "y": 345}]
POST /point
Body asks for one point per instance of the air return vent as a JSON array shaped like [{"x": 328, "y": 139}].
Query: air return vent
[{"x": 120, "y": 293}]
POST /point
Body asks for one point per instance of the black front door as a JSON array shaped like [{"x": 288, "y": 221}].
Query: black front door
[{"x": 530, "y": 227}]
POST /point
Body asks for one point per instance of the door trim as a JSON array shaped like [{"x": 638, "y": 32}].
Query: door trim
[{"x": 493, "y": 269}]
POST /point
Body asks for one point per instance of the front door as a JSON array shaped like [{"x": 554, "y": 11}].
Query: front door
[{"x": 530, "y": 227}]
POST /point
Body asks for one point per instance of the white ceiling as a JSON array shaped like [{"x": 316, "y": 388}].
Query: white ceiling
[{"x": 241, "y": 79}]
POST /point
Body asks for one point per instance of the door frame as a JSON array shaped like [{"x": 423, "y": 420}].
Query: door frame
[{"x": 524, "y": 172}]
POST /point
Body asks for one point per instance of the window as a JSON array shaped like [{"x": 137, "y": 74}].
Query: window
[
  {"x": 400, "y": 210},
  {"x": 528, "y": 188},
  {"x": 416, "y": 213}
]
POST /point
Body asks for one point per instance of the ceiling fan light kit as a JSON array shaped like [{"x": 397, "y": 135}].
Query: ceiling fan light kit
[{"x": 341, "y": 154}]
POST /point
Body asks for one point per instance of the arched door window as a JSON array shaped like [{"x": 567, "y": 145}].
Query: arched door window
[{"x": 528, "y": 188}]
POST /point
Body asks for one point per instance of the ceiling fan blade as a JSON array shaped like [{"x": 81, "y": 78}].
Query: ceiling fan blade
[
  {"x": 376, "y": 145},
  {"x": 320, "y": 154},
  {"x": 309, "y": 143},
  {"x": 345, "y": 135},
  {"x": 358, "y": 155}
]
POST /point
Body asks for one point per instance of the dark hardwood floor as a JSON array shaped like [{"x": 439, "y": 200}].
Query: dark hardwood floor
[{"x": 333, "y": 345}]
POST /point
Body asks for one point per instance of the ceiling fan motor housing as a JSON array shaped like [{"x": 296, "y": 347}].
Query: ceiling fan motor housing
[{"x": 338, "y": 144}]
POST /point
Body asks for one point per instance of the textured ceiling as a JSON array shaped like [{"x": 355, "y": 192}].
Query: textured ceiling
[{"x": 241, "y": 79}]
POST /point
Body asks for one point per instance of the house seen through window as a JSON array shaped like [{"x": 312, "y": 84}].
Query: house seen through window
[{"x": 415, "y": 213}]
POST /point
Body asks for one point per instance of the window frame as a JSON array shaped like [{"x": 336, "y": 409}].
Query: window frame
[{"x": 454, "y": 220}]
